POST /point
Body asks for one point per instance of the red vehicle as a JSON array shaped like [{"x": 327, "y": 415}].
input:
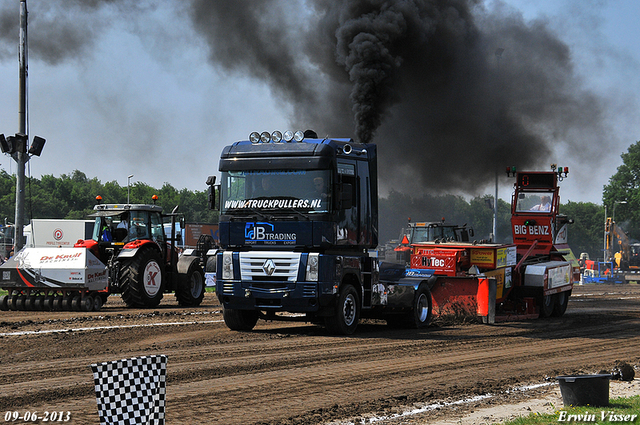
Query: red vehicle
[
  {"x": 129, "y": 254},
  {"x": 533, "y": 276}
]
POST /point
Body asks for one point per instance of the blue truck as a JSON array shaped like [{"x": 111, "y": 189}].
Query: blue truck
[{"x": 298, "y": 227}]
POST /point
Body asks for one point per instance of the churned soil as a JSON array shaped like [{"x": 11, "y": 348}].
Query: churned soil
[{"x": 296, "y": 373}]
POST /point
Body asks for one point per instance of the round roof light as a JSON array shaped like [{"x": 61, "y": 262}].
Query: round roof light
[
  {"x": 254, "y": 137},
  {"x": 276, "y": 136},
  {"x": 298, "y": 136},
  {"x": 265, "y": 137},
  {"x": 288, "y": 136}
]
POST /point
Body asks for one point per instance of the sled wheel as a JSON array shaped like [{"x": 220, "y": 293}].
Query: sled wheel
[
  {"x": 4, "y": 302},
  {"x": 141, "y": 279},
  {"x": 38, "y": 303},
  {"x": 239, "y": 320},
  {"x": 190, "y": 290},
  {"x": 345, "y": 319},
  {"x": 86, "y": 303},
  {"x": 56, "y": 304},
  {"x": 561, "y": 302},
  {"x": 18, "y": 302},
  {"x": 97, "y": 302},
  {"x": 29, "y": 303},
  {"x": 47, "y": 303},
  {"x": 546, "y": 305},
  {"x": 75, "y": 302},
  {"x": 66, "y": 302}
]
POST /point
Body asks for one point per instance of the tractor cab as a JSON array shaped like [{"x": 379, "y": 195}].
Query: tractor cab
[{"x": 120, "y": 226}]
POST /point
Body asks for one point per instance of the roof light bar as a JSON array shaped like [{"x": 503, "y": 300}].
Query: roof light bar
[{"x": 276, "y": 137}]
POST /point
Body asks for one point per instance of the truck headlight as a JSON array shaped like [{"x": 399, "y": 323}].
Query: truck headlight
[
  {"x": 312, "y": 267},
  {"x": 227, "y": 265}
]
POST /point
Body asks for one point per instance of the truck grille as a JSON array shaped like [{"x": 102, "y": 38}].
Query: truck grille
[{"x": 257, "y": 265}]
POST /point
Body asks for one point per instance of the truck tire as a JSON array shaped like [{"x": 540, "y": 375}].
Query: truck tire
[
  {"x": 421, "y": 310},
  {"x": 561, "y": 302},
  {"x": 239, "y": 320},
  {"x": 547, "y": 303},
  {"x": 420, "y": 314},
  {"x": 190, "y": 290},
  {"x": 347, "y": 312},
  {"x": 141, "y": 279}
]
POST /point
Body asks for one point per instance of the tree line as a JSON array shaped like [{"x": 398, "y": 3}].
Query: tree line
[{"x": 73, "y": 196}]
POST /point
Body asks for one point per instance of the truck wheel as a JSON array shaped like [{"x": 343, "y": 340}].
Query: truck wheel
[
  {"x": 546, "y": 305},
  {"x": 420, "y": 315},
  {"x": 560, "y": 304},
  {"x": 347, "y": 314},
  {"x": 190, "y": 290},
  {"x": 239, "y": 320},
  {"x": 141, "y": 279}
]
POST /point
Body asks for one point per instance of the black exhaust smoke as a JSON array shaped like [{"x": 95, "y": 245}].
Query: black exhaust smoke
[{"x": 419, "y": 77}]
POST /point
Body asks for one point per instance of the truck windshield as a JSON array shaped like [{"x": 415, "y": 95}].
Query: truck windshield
[
  {"x": 534, "y": 201},
  {"x": 301, "y": 190}
]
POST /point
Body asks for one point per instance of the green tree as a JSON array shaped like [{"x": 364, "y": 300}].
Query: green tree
[
  {"x": 586, "y": 234},
  {"x": 624, "y": 185}
]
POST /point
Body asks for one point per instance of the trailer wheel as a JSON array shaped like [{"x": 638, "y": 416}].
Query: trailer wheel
[
  {"x": 29, "y": 302},
  {"x": 97, "y": 302},
  {"x": 4, "y": 302},
  {"x": 75, "y": 302},
  {"x": 38, "y": 303},
  {"x": 190, "y": 290},
  {"x": 239, "y": 320},
  {"x": 18, "y": 302},
  {"x": 347, "y": 313},
  {"x": 547, "y": 303},
  {"x": 48, "y": 303},
  {"x": 141, "y": 279},
  {"x": 87, "y": 303},
  {"x": 560, "y": 304},
  {"x": 57, "y": 303}
]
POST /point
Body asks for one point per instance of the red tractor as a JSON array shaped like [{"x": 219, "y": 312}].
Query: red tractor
[{"x": 142, "y": 262}]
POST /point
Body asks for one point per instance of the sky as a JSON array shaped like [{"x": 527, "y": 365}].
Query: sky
[{"x": 157, "y": 89}]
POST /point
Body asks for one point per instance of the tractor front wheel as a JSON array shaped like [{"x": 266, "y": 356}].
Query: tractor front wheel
[
  {"x": 190, "y": 291},
  {"x": 141, "y": 279}
]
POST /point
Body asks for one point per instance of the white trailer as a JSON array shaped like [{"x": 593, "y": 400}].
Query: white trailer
[{"x": 42, "y": 233}]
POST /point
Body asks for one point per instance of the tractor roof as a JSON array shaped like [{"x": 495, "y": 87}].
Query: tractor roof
[{"x": 115, "y": 209}]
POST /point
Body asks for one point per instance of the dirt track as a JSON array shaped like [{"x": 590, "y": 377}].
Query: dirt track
[{"x": 295, "y": 373}]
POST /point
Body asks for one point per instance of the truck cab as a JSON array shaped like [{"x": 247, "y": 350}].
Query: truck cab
[{"x": 297, "y": 217}]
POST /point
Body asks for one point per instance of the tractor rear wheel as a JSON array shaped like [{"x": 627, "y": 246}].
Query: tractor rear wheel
[
  {"x": 190, "y": 290},
  {"x": 141, "y": 279}
]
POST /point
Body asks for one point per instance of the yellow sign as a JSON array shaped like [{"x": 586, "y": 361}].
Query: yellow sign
[{"x": 483, "y": 257}]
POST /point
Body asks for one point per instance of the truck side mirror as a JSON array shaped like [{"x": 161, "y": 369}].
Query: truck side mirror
[
  {"x": 346, "y": 196},
  {"x": 211, "y": 181}
]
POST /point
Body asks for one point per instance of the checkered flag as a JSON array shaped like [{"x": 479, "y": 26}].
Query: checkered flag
[{"x": 131, "y": 391}]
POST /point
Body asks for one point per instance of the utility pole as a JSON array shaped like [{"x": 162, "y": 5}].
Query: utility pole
[{"x": 22, "y": 143}]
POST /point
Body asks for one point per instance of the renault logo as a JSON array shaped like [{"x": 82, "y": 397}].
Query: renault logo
[{"x": 269, "y": 267}]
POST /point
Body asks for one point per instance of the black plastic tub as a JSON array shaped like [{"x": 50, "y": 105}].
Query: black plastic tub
[{"x": 585, "y": 390}]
